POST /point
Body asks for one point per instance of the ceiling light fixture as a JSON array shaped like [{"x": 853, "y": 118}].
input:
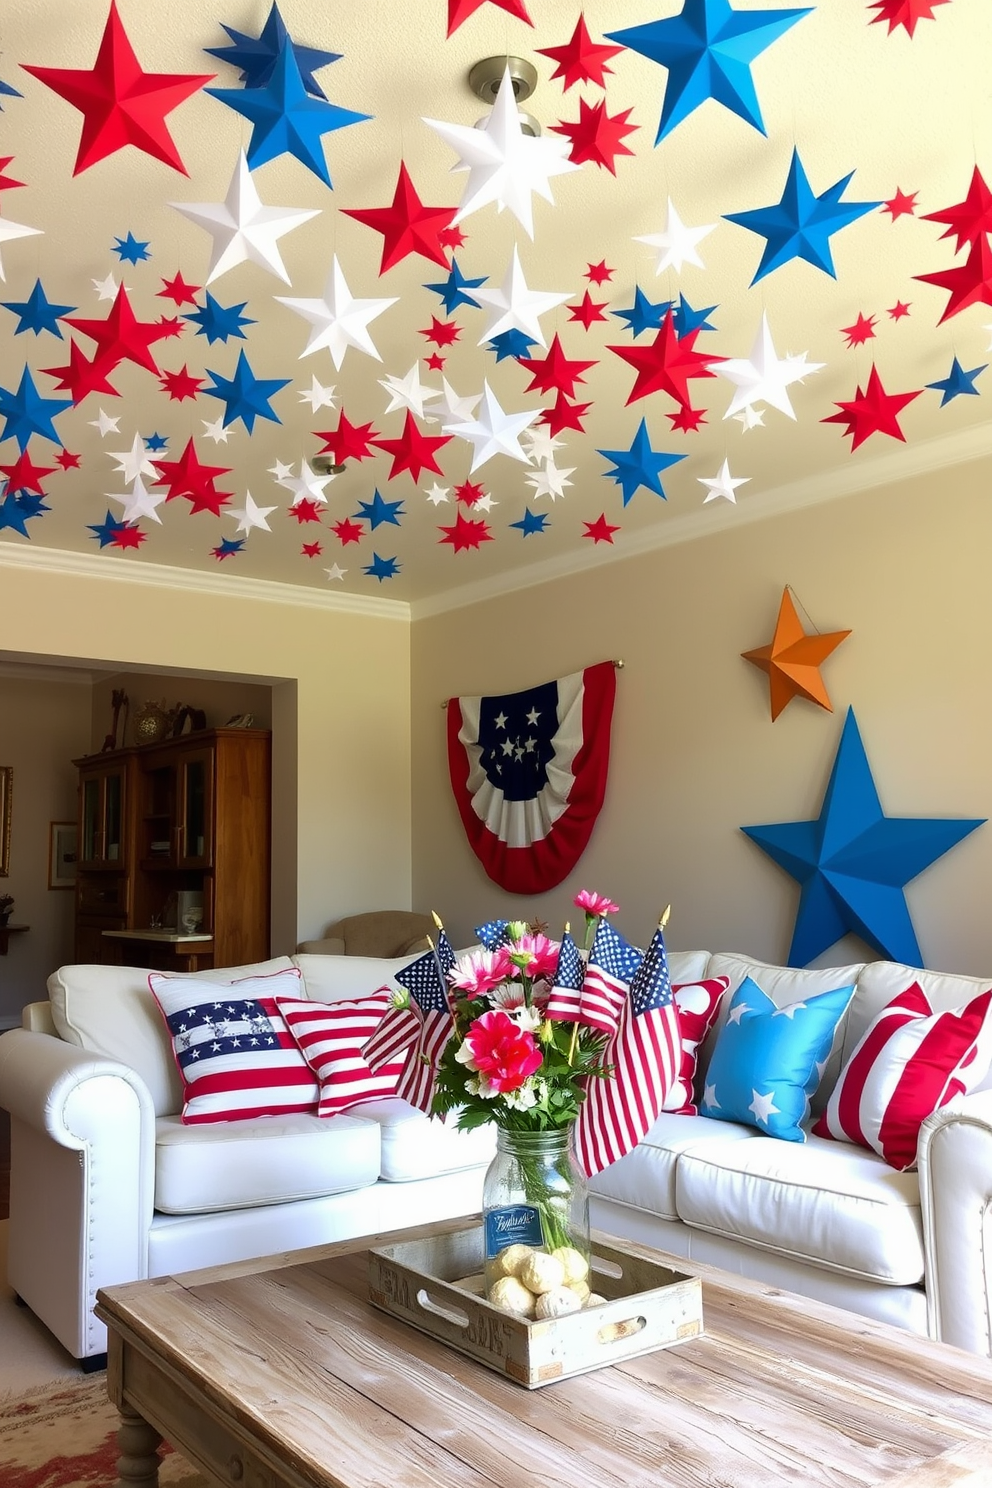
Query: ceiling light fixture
[
  {"x": 324, "y": 465},
  {"x": 485, "y": 77}
]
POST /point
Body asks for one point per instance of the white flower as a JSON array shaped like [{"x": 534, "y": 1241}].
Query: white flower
[
  {"x": 464, "y": 1056},
  {"x": 523, "y": 1098}
]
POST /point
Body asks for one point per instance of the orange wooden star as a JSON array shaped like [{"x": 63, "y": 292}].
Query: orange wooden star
[{"x": 793, "y": 659}]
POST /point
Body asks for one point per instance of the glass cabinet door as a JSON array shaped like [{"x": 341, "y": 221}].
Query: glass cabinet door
[
  {"x": 195, "y": 779},
  {"x": 90, "y": 821},
  {"x": 113, "y": 815},
  {"x": 102, "y": 820}
]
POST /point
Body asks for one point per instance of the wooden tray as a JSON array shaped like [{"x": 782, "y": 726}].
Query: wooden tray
[{"x": 648, "y": 1307}]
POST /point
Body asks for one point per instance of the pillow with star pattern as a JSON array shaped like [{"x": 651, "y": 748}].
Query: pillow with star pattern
[{"x": 768, "y": 1060}]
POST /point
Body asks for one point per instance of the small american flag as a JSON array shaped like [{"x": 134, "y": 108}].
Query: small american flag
[
  {"x": 612, "y": 963},
  {"x": 646, "y": 1056},
  {"x": 565, "y": 1002},
  {"x": 392, "y": 1038},
  {"x": 425, "y": 983},
  {"x": 492, "y": 934}
]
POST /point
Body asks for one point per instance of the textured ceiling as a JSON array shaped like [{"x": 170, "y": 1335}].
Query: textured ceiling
[{"x": 842, "y": 96}]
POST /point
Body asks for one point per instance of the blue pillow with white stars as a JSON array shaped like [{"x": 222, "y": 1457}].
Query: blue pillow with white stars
[{"x": 768, "y": 1060}]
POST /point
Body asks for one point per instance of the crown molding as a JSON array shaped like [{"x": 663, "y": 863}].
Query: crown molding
[{"x": 17, "y": 671}]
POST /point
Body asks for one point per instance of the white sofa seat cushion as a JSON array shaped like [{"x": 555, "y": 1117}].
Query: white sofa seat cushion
[
  {"x": 238, "y": 1164},
  {"x": 818, "y": 1201},
  {"x": 645, "y": 1178},
  {"x": 419, "y": 1146}
]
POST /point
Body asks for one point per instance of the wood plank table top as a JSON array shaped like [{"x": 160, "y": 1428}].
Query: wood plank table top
[{"x": 279, "y": 1373}]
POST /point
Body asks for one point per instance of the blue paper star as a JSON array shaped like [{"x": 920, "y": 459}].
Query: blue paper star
[
  {"x": 256, "y": 57},
  {"x": 129, "y": 250},
  {"x": 31, "y": 504},
  {"x": 17, "y": 511},
  {"x": 287, "y": 119},
  {"x": 377, "y": 511},
  {"x": 801, "y": 224},
  {"x": 643, "y": 315},
  {"x": 452, "y": 290},
  {"x": 37, "y": 313},
  {"x": 512, "y": 343},
  {"x": 686, "y": 320},
  {"x": 531, "y": 522},
  {"x": 26, "y": 413},
  {"x": 246, "y": 396},
  {"x": 104, "y": 531},
  {"x": 7, "y": 91},
  {"x": 708, "y": 49},
  {"x": 228, "y": 546},
  {"x": 156, "y": 442},
  {"x": 958, "y": 381},
  {"x": 853, "y": 862},
  {"x": 219, "y": 322},
  {"x": 638, "y": 466},
  {"x": 382, "y": 568}
]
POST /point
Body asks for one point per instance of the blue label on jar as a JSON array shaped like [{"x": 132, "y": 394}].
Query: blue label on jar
[{"x": 517, "y": 1224}]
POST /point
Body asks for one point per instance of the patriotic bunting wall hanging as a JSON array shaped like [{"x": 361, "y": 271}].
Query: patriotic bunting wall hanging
[{"x": 528, "y": 770}]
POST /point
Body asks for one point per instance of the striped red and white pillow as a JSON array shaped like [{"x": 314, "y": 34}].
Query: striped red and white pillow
[
  {"x": 698, "y": 1004},
  {"x": 331, "y": 1036},
  {"x": 235, "y": 1055},
  {"x": 909, "y": 1063}
]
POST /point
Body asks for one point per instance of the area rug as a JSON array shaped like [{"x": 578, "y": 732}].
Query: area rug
[{"x": 64, "y": 1435}]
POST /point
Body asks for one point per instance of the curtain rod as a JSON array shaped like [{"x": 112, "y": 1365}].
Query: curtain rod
[{"x": 617, "y": 662}]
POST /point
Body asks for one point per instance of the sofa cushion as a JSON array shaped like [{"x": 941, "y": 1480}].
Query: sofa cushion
[
  {"x": 331, "y": 1036},
  {"x": 645, "y": 1177},
  {"x": 823, "y": 1202},
  {"x": 110, "y": 1011},
  {"x": 328, "y": 978},
  {"x": 688, "y": 966},
  {"x": 910, "y": 1062},
  {"x": 236, "y": 1165},
  {"x": 880, "y": 981},
  {"x": 768, "y": 1060},
  {"x": 698, "y": 1004},
  {"x": 419, "y": 1146}
]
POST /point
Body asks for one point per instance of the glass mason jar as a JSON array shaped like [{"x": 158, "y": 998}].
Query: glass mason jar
[{"x": 535, "y": 1195}]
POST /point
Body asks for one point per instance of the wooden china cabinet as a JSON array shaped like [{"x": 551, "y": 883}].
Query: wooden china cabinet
[{"x": 171, "y": 832}]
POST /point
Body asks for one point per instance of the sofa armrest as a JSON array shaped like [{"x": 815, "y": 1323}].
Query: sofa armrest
[{"x": 955, "y": 1167}]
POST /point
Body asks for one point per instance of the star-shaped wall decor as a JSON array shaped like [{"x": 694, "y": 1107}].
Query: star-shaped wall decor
[
  {"x": 121, "y": 105},
  {"x": 554, "y": 371},
  {"x": 37, "y": 313},
  {"x": 764, "y": 377},
  {"x": 969, "y": 283},
  {"x": 708, "y": 49},
  {"x": 493, "y": 432},
  {"x": 460, "y": 10},
  {"x": 581, "y": 60},
  {"x": 244, "y": 395},
  {"x": 531, "y": 522},
  {"x": 904, "y": 12},
  {"x": 598, "y": 273},
  {"x": 853, "y": 862},
  {"x": 413, "y": 450},
  {"x": 801, "y": 224},
  {"x": 219, "y": 322},
  {"x": 380, "y": 568},
  {"x": 596, "y": 135},
  {"x": 793, "y": 659},
  {"x": 339, "y": 320},
  {"x": 129, "y": 250},
  {"x": 642, "y": 314},
  {"x": 106, "y": 289},
  {"x": 214, "y": 429},
  {"x": 348, "y": 441},
  {"x": 378, "y": 512},
  {"x": 407, "y": 225},
  {"x": 257, "y": 56},
  {"x": 243, "y": 230},
  {"x": 722, "y": 486},
  {"x": 967, "y": 220},
  {"x": 26, "y": 413},
  {"x": 454, "y": 289},
  {"x": 667, "y": 364},
  {"x": 873, "y": 411},
  {"x": 957, "y": 382},
  {"x": 676, "y": 243},
  {"x": 639, "y": 466},
  {"x": 516, "y": 307}
]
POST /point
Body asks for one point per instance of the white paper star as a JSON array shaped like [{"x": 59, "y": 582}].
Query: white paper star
[
  {"x": 106, "y": 289},
  {"x": 722, "y": 484},
  {"x": 308, "y": 485},
  {"x": 437, "y": 493},
  {"x": 751, "y": 417},
  {"x": 216, "y": 430},
  {"x": 504, "y": 164},
  {"x": 514, "y": 307},
  {"x": 251, "y": 515},
  {"x": 541, "y": 443},
  {"x": 243, "y": 230},
  {"x": 135, "y": 461},
  {"x": 763, "y": 376},
  {"x": 550, "y": 481},
  {"x": 485, "y": 503},
  {"x": 140, "y": 502},
  {"x": 317, "y": 395},
  {"x": 106, "y": 424},
  {"x": 282, "y": 472},
  {"x": 677, "y": 243},
  {"x": 408, "y": 392},
  {"x": 11, "y": 230},
  {"x": 454, "y": 407},
  {"x": 338, "y": 320},
  {"x": 493, "y": 432},
  {"x": 334, "y": 572}
]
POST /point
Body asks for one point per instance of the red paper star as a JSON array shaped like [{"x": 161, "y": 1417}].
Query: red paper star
[
  {"x": 564, "y": 415},
  {"x": 82, "y": 376},
  {"x": 128, "y": 536},
  {"x": 187, "y": 477},
  {"x": 901, "y": 205},
  {"x": 170, "y": 326},
  {"x": 970, "y": 219},
  {"x": 600, "y": 530},
  {"x": 899, "y": 309},
  {"x": 587, "y": 310},
  {"x": 667, "y": 363},
  {"x": 442, "y": 332},
  {"x": 467, "y": 532},
  {"x": 904, "y": 12},
  {"x": 208, "y": 500},
  {"x": 407, "y": 226},
  {"x": 348, "y": 441},
  {"x": 468, "y": 493},
  {"x": 7, "y": 183},
  {"x": 434, "y": 361},
  {"x": 687, "y": 420},
  {"x": 596, "y": 135},
  {"x": 861, "y": 331},
  {"x": 460, "y": 10},
  {"x": 581, "y": 60},
  {"x": 120, "y": 104},
  {"x": 311, "y": 550},
  {"x": 120, "y": 335},
  {"x": 554, "y": 371},
  {"x": 452, "y": 237},
  {"x": 873, "y": 411},
  {"x": 305, "y": 510},
  {"x": 969, "y": 284},
  {"x": 347, "y": 531},
  {"x": 67, "y": 461},
  {"x": 24, "y": 475},
  {"x": 597, "y": 273},
  {"x": 180, "y": 385},
  {"x": 414, "y": 450},
  {"x": 178, "y": 291}
]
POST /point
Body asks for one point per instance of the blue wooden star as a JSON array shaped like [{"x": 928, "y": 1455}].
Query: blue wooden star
[
  {"x": 245, "y": 395},
  {"x": 958, "y": 381},
  {"x": 531, "y": 522},
  {"x": 643, "y": 315},
  {"x": 37, "y": 313},
  {"x": 256, "y": 56},
  {"x": 511, "y": 343},
  {"x": 686, "y": 320},
  {"x": 219, "y": 322},
  {"x": 853, "y": 862},
  {"x": 26, "y": 413},
  {"x": 638, "y": 466},
  {"x": 382, "y": 568},
  {"x": 801, "y": 224},
  {"x": 17, "y": 511},
  {"x": 453, "y": 289},
  {"x": 287, "y": 120},
  {"x": 129, "y": 250},
  {"x": 104, "y": 531},
  {"x": 377, "y": 511},
  {"x": 156, "y": 442},
  {"x": 708, "y": 49}
]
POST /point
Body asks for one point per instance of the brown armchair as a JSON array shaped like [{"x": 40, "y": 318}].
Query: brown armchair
[{"x": 381, "y": 932}]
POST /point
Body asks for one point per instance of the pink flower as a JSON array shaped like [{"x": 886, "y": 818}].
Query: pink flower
[
  {"x": 503, "y": 1053},
  {"x": 480, "y": 971},
  {"x": 536, "y": 955},
  {"x": 594, "y": 904}
]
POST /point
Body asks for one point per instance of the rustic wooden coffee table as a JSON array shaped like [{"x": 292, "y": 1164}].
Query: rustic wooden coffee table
[{"x": 279, "y": 1373}]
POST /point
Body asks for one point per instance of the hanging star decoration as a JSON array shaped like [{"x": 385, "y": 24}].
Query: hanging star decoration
[
  {"x": 853, "y": 862},
  {"x": 120, "y": 336},
  {"x": 121, "y": 105},
  {"x": 801, "y": 224},
  {"x": 793, "y": 659},
  {"x": 408, "y": 392},
  {"x": 640, "y": 465},
  {"x": 307, "y": 488},
  {"x": 515, "y": 307},
  {"x": 957, "y": 382},
  {"x": 564, "y": 415},
  {"x": 219, "y": 322},
  {"x": 178, "y": 291},
  {"x": 688, "y": 320},
  {"x": 17, "y": 511},
  {"x": 441, "y": 333},
  {"x": 135, "y": 461},
  {"x": 346, "y": 531},
  {"x": 555, "y": 371},
  {"x": 407, "y": 225},
  {"x": 37, "y": 313},
  {"x": 243, "y": 230},
  {"x": 904, "y": 13},
  {"x": 550, "y": 480},
  {"x": 512, "y": 343},
  {"x": 380, "y": 568},
  {"x": 873, "y": 411},
  {"x": 861, "y": 331},
  {"x": 764, "y": 376},
  {"x": 227, "y": 547},
  {"x": 969, "y": 283},
  {"x": 587, "y": 310},
  {"x": 379, "y": 512},
  {"x": 338, "y": 320},
  {"x": 460, "y": 10},
  {"x": 8, "y": 91},
  {"x": 676, "y": 243},
  {"x": 454, "y": 290},
  {"x": 317, "y": 395},
  {"x": 139, "y": 502},
  {"x": 311, "y": 550},
  {"x": 107, "y": 533},
  {"x": 643, "y": 315},
  {"x": 25, "y": 412},
  {"x": 466, "y": 533},
  {"x": 667, "y": 364},
  {"x": 413, "y": 450},
  {"x": 581, "y": 60},
  {"x": 129, "y": 250},
  {"x": 256, "y": 57},
  {"x": 707, "y": 50},
  {"x": 180, "y": 385},
  {"x": 600, "y": 530},
  {"x": 903, "y": 204},
  {"x": 722, "y": 486},
  {"x": 899, "y": 310},
  {"x": 596, "y": 135},
  {"x": 24, "y": 475},
  {"x": 493, "y": 432},
  {"x": 531, "y": 522},
  {"x": 189, "y": 478},
  {"x": 244, "y": 395},
  {"x": 251, "y": 515},
  {"x": 598, "y": 273},
  {"x": 348, "y": 441},
  {"x": 967, "y": 220}
]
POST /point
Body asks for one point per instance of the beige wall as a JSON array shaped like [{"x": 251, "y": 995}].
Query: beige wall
[
  {"x": 695, "y": 755},
  {"x": 43, "y": 726},
  {"x": 218, "y": 700}
]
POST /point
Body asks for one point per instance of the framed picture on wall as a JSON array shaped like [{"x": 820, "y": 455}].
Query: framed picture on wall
[
  {"x": 62, "y": 855},
  {"x": 6, "y": 788}
]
